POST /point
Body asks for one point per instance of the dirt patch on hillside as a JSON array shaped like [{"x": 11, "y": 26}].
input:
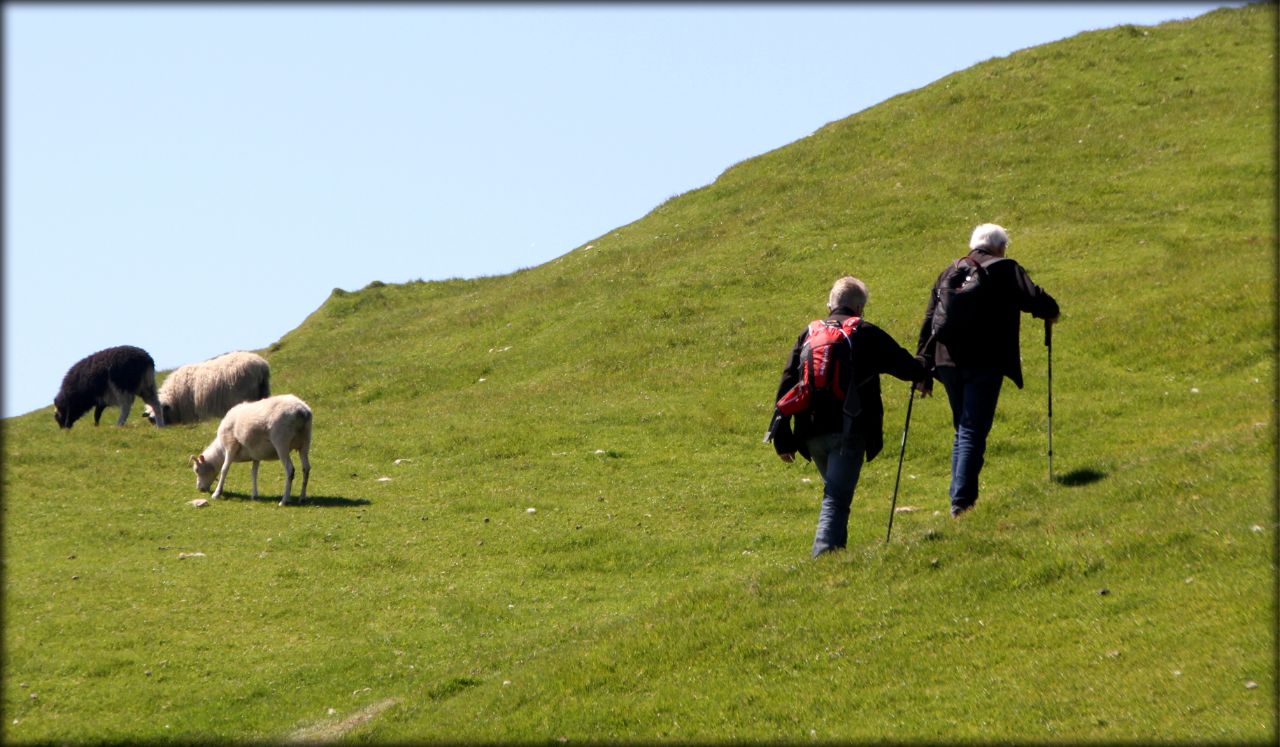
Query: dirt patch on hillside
[{"x": 329, "y": 732}]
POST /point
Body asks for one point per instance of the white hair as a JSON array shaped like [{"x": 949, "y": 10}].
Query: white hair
[
  {"x": 848, "y": 292},
  {"x": 989, "y": 236}
]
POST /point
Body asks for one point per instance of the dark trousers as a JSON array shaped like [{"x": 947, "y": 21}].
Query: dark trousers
[
  {"x": 839, "y": 461},
  {"x": 973, "y": 395}
]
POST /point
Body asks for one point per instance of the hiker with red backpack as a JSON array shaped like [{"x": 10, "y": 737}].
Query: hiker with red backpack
[
  {"x": 970, "y": 339},
  {"x": 831, "y": 388}
]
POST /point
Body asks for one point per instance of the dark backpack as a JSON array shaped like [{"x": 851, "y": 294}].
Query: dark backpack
[
  {"x": 961, "y": 294},
  {"x": 827, "y": 346}
]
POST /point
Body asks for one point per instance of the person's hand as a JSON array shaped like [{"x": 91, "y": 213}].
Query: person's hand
[
  {"x": 925, "y": 388},
  {"x": 788, "y": 457}
]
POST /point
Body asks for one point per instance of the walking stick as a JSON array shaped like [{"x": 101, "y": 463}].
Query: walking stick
[
  {"x": 894, "y": 505},
  {"x": 1048, "y": 343}
]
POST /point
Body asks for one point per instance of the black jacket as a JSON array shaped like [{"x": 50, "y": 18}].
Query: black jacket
[
  {"x": 994, "y": 347},
  {"x": 873, "y": 352}
]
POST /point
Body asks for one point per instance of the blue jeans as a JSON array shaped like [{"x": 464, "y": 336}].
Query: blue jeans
[
  {"x": 973, "y": 395},
  {"x": 839, "y": 462}
]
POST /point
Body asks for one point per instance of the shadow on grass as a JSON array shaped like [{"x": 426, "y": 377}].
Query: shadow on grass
[
  {"x": 1078, "y": 477},
  {"x": 325, "y": 501}
]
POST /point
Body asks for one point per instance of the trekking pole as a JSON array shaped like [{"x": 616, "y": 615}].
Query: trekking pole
[
  {"x": 1048, "y": 343},
  {"x": 894, "y": 505}
]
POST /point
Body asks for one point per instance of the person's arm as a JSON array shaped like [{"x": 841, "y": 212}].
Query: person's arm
[
  {"x": 1032, "y": 298},
  {"x": 926, "y": 344},
  {"x": 926, "y": 327},
  {"x": 791, "y": 372},
  {"x": 780, "y": 425},
  {"x": 895, "y": 360}
]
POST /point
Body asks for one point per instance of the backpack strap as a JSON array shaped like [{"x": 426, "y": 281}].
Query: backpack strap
[
  {"x": 983, "y": 265},
  {"x": 979, "y": 266}
]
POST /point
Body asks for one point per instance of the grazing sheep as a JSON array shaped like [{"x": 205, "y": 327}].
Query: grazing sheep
[
  {"x": 207, "y": 390},
  {"x": 253, "y": 431},
  {"x": 110, "y": 377}
]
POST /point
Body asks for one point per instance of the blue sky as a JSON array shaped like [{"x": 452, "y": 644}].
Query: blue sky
[{"x": 194, "y": 179}]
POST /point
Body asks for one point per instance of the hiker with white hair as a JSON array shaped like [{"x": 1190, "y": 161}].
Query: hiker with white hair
[
  {"x": 831, "y": 388},
  {"x": 970, "y": 338}
]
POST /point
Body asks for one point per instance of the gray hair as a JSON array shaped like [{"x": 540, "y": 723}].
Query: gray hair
[
  {"x": 989, "y": 236},
  {"x": 848, "y": 292}
]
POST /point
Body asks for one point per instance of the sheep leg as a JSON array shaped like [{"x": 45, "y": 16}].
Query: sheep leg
[
  {"x": 229, "y": 456},
  {"x": 156, "y": 410},
  {"x": 288, "y": 477},
  {"x": 97, "y": 413},
  {"x": 306, "y": 473},
  {"x": 281, "y": 443},
  {"x": 125, "y": 404},
  {"x": 255, "y": 478}
]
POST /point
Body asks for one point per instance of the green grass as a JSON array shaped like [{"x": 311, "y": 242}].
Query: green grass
[{"x": 661, "y": 589}]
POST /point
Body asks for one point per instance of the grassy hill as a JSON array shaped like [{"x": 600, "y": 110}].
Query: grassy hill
[{"x": 541, "y": 509}]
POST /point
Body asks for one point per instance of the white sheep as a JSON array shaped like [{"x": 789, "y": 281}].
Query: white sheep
[
  {"x": 253, "y": 431},
  {"x": 208, "y": 389}
]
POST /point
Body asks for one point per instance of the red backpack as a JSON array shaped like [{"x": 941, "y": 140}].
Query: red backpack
[{"x": 826, "y": 345}]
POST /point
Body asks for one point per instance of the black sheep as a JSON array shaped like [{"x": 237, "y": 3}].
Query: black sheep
[{"x": 108, "y": 377}]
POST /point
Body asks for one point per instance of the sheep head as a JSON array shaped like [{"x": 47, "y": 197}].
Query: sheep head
[{"x": 205, "y": 471}]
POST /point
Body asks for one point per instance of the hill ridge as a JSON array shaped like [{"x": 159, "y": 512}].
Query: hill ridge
[{"x": 544, "y": 510}]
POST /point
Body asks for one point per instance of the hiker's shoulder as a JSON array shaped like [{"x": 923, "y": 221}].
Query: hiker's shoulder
[{"x": 870, "y": 330}]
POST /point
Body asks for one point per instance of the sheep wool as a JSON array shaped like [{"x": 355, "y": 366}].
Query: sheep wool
[{"x": 198, "y": 391}]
